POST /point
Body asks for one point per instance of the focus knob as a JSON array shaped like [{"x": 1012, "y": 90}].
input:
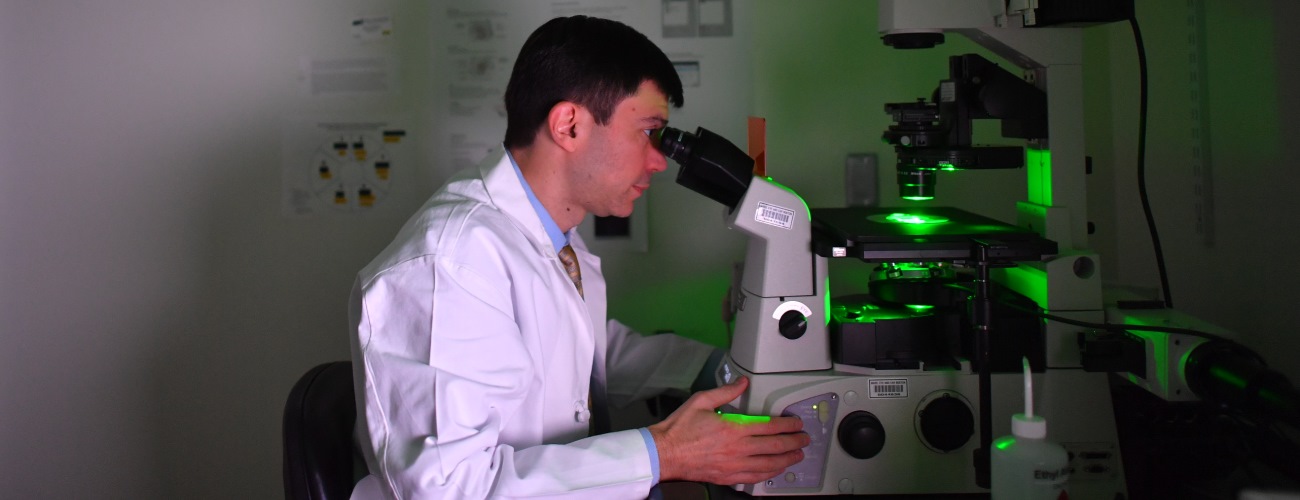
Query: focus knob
[
  {"x": 861, "y": 435},
  {"x": 792, "y": 324}
]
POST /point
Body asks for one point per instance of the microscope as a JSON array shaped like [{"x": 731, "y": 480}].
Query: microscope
[{"x": 903, "y": 389}]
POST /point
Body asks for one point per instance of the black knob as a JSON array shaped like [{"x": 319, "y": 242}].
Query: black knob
[
  {"x": 861, "y": 435},
  {"x": 792, "y": 324},
  {"x": 946, "y": 423}
]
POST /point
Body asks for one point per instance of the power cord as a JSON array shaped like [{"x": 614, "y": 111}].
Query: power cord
[{"x": 1142, "y": 164}]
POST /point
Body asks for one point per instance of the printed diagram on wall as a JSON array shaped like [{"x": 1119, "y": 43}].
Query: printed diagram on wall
[
  {"x": 696, "y": 18},
  {"x": 339, "y": 166}
]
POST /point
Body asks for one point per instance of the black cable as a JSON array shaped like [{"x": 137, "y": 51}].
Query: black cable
[
  {"x": 1112, "y": 327},
  {"x": 1142, "y": 164}
]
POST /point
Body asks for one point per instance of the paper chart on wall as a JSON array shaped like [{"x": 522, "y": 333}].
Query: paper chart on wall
[
  {"x": 480, "y": 40},
  {"x": 339, "y": 165}
]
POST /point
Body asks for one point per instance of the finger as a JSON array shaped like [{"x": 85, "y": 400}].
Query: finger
[
  {"x": 774, "y": 464},
  {"x": 714, "y": 398},
  {"x": 776, "y": 425},
  {"x": 761, "y": 468},
  {"x": 777, "y": 444}
]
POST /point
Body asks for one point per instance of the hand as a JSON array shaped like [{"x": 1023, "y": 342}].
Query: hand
[{"x": 696, "y": 444}]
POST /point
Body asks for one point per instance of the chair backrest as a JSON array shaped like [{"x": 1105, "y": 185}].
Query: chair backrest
[{"x": 320, "y": 457}]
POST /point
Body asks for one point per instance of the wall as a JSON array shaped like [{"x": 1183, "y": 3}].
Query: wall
[
  {"x": 156, "y": 306},
  {"x": 1240, "y": 280}
]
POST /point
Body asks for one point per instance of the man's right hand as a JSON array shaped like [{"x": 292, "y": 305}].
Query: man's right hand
[{"x": 697, "y": 444}]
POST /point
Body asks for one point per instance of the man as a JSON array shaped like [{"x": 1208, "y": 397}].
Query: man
[{"x": 482, "y": 354}]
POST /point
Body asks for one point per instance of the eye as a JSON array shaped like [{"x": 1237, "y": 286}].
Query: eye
[{"x": 653, "y": 134}]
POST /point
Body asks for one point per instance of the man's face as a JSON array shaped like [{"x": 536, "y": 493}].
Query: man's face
[{"x": 618, "y": 158}]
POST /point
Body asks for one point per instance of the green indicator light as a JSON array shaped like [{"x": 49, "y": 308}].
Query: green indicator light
[
  {"x": 740, "y": 418},
  {"x": 1002, "y": 445},
  {"x": 902, "y": 218}
]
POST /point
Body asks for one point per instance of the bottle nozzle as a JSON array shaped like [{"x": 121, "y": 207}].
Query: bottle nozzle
[{"x": 1029, "y": 388}]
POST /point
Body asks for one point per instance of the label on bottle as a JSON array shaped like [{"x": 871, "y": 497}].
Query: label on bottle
[
  {"x": 1055, "y": 478},
  {"x": 1029, "y": 469}
]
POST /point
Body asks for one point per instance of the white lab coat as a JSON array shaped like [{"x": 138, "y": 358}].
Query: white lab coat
[{"x": 473, "y": 355}]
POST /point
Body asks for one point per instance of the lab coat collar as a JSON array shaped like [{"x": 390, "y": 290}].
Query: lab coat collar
[{"x": 507, "y": 193}]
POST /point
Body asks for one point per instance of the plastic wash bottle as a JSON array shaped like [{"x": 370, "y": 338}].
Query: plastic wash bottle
[{"x": 1026, "y": 466}]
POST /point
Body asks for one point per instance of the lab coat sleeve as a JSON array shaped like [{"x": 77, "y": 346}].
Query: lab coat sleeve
[
  {"x": 445, "y": 368},
  {"x": 643, "y": 366}
]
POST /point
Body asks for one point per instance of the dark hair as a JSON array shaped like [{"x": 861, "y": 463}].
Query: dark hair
[{"x": 593, "y": 62}]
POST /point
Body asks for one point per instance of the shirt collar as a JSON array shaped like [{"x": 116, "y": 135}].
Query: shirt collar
[{"x": 558, "y": 238}]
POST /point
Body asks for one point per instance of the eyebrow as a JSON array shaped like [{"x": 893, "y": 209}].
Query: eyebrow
[{"x": 660, "y": 122}]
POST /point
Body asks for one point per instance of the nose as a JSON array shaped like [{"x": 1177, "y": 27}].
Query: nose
[{"x": 657, "y": 161}]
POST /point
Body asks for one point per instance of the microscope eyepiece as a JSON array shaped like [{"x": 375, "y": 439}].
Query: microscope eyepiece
[
  {"x": 674, "y": 143},
  {"x": 710, "y": 164}
]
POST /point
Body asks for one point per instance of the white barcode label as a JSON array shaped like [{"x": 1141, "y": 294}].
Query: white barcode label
[
  {"x": 887, "y": 387},
  {"x": 774, "y": 215}
]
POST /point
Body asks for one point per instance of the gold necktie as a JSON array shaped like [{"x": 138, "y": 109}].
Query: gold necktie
[{"x": 570, "y": 261}]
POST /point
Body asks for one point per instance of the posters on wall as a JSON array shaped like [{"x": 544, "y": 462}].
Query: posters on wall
[
  {"x": 481, "y": 39},
  {"x": 474, "y": 44},
  {"x": 339, "y": 165}
]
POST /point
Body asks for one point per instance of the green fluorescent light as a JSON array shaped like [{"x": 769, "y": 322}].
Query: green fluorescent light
[
  {"x": 905, "y": 218},
  {"x": 918, "y": 198},
  {"x": 1229, "y": 377},
  {"x": 740, "y": 418}
]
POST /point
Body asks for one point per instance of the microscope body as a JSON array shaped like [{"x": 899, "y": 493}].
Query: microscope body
[
  {"x": 782, "y": 294},
  {"x": 873, "y": 430}
]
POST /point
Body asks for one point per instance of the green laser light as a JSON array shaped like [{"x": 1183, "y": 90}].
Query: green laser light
[{"x": 906, "y": 218}]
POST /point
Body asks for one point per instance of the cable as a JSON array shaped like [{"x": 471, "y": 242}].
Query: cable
[
  {"x": 1112, "y": 327},
  {"x": 1142, "y": 164}
]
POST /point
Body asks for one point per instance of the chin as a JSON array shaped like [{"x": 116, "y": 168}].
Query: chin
[{"x": 621, "y": 211}]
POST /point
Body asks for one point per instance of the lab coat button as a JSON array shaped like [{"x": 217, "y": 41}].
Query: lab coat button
[{"x": 581, "y": 413}]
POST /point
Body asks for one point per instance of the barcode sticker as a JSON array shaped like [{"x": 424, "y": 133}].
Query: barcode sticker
[
  {"x": 774, "y": 215},
  {"x": 887, "y": 387}
]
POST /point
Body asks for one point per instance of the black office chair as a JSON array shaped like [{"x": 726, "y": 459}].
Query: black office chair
[{"x": 321, "y": 460}]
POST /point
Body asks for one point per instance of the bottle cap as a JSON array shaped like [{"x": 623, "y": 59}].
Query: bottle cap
[{"x": 1029, "y": 427}]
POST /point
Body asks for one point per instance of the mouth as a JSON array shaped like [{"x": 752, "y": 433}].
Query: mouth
[{"x": 640, "y": 188}]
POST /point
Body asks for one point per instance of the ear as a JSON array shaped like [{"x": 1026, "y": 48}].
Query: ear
[{"x": 562, "y": 125}]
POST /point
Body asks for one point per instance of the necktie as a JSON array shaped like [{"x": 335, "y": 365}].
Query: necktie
[
  {"x": 570, "y": 261},
  {"x": 599, "y": 422}
]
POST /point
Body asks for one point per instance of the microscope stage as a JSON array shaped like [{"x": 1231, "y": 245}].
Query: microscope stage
[{"x": 920, "y": 234}]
